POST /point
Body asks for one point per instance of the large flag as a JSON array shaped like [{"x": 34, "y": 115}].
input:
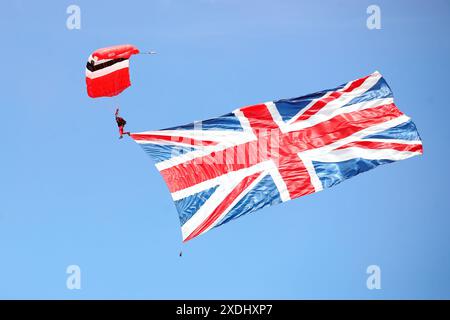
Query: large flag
[{"x": 222, "y": 168}]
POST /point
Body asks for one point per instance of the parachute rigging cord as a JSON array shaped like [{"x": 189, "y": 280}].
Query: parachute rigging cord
[{"x": 148, "y": 52}]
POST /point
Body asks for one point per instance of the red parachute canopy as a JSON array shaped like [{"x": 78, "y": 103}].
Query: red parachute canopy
[{"x": 107, "y": 70}]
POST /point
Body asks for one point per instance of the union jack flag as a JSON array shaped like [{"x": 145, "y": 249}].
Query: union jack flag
[{"x": 222, "y": 168}]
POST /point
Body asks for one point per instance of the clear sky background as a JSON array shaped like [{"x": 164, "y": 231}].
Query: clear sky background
[{"x": 72, "y": 193}]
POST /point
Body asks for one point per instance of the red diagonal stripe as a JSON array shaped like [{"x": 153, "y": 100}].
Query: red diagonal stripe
[
  {"x": 316, "y": 107},
  {"x": 223, "y": 206},
  {"x": 384, "y": 145}
]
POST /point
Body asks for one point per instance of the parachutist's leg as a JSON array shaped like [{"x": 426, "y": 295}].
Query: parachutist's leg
[{"x": 121, "y": 132}]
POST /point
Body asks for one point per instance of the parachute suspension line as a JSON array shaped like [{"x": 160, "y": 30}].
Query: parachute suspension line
[
  {"x": 181, "y": 249},
  {"x": 148, "y": 52}
]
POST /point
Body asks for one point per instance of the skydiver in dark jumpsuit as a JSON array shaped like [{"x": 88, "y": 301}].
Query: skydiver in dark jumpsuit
[{"x": 121, "y": 124}]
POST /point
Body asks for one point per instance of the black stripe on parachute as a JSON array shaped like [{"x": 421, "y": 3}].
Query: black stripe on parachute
[{"x": 92, "y": 67}]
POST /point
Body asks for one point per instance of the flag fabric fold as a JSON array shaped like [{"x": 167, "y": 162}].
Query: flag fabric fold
[{"x": 222, "y": 168}]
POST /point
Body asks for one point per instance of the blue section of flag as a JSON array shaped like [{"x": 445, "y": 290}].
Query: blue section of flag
[
  {"x": 161, "y": 152},
  {"x": 380, "y": 90},
  {"x": 290, "y": 107},
  {"x": 265, "y": 193},
  {"x": 404, "y": 131},
  {"x": 187, "y": 206},
  {"x": 332, "y": 173},
  {"x": 226, "y": 122}
]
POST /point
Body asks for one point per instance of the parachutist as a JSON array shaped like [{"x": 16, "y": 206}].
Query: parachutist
[
  {"x": 121, "y": 124},
  {"x": 181, "y": 253}
]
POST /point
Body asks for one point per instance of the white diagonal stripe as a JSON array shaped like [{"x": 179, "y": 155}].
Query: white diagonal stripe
[
  {"x": 342, "y": 100},
  {"x": 370, "y": 154},
  {"x": 238, "y": 198},
  {"x": 103, "y": 72},
  {"x": 227, "y": 183},
  {"x": 313, "y": 153},
  {"x": 315, "y": 181},
  {"x": 333, "y": 112}
]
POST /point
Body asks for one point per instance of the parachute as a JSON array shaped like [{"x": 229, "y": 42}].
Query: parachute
[{"x": 107, "y": 70}]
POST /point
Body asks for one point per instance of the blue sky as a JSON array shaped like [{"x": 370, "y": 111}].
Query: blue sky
[{"x": 72, "y": 193}]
